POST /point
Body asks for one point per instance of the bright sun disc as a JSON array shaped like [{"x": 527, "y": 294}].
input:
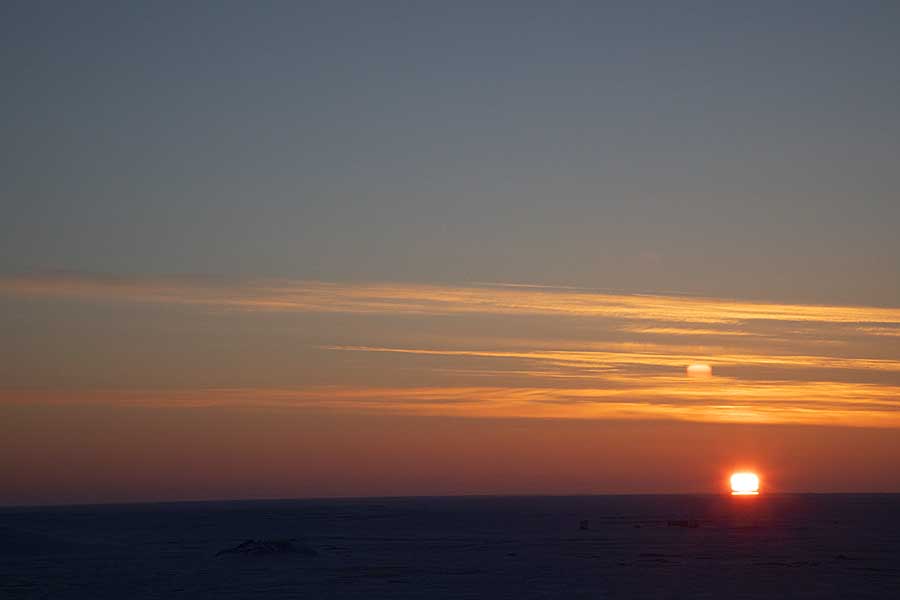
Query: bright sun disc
[{"x": 744, "y": 484}]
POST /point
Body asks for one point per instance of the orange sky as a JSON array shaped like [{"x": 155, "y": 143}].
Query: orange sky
[
  {"x": 94, "y": 454},
  {"x": 188, "y": 388}
]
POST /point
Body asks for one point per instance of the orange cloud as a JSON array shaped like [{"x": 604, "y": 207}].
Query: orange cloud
[
  {"x": 671, "y": 358},
  {"x": 837, "y": 367},
  {"x": 365, "y": 298},
  {"x": 627, "y": 397}
]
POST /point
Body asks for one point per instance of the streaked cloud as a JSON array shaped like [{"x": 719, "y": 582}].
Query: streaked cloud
[
  {"x": 317, "y": 296},
  {"x": 725, "y": 401},
  {"x": 506, "y": 350},
  {"x": 672, "y": 359},
  {"x": 693, "y": 331},
  {"x": 885, "y": 331}
]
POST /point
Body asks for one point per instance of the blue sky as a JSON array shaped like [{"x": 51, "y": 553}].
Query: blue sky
[{"x": 729, "y": 149}]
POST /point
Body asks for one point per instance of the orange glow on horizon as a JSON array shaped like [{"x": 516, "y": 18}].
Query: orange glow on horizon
[{"x": 744, "y": 484}]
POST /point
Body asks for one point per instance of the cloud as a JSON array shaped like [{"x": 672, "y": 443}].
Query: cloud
[
  {"x": 688, "y": 331},
  {"x": 652, "y": 358},
  {"x": 391, "y": 298},
  {"x": 612, "y": 356},
  {"x": 646, "y": 398}
]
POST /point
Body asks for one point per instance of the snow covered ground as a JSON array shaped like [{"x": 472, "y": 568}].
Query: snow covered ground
[{"x": 797, "y": 546}]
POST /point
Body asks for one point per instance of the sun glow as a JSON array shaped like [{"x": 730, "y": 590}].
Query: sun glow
[
  {"x": 699, "y": 371},
  {"x": 744, "y": 484}
]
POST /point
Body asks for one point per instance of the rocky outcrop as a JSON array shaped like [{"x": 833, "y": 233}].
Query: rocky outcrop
[
  {"x": 269, "y": 548},
  {"x": 689, "y": 523}
]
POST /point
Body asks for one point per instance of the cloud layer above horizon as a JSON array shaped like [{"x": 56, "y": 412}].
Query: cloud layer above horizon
[{"x": 479, "y": 350}]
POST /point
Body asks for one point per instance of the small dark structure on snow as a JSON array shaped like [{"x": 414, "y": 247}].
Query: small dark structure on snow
[{"x": 268, "y": 548}]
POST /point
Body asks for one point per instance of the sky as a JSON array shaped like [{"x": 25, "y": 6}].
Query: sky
[{"x": 291, "y": 249}]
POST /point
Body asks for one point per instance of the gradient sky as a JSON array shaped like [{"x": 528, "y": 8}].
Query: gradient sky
[{"x": 374, "y": 248}]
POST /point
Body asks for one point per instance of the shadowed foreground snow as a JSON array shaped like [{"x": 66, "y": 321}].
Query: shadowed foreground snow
[{"x": 798, "y": 546}]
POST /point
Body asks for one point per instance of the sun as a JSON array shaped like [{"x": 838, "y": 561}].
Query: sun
[{"x": 744, "y": 484}]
